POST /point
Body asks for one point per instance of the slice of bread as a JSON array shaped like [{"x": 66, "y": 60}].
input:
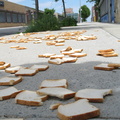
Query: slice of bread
[
  {"x": 13, "y": 69},
  {"x": 78, "y": 50},
  {"x": 56, "y": 56},
  {"x": 110, "y": 55},
  {"x": 59, "y": 41},
  {"x": 50, "y": 43},
  {"x": 40, "y": 67},
  {"x": 69, "y": 48},
  {"x": 56, "y": 61},
  {"x": 30, "y": 98},
  {"x": 69, "y": 59},
  {"x": 103, "y": 66},
  {"x": 2, "y": 62},
  {"x": 6, "y": 65},
  {"x": 78, "y": 55},
  {"x": 8, "y": 93},
  {"x": 68, "y": 52},
  {"x": 93, "y": 95},
  {"x": 10, "y": 80},
  {"x": 116, "y": 65},
  {"x": 59, "y": 44},
  {"x": 54, "y": 83},
  {"x": 47, "y": 55},
  {"x": 21, "y": 48},
  {"x": 59, "y": 92},
  {"x": 26, "y": 72},
  {"x": 106, "y": 50},
  {"x": 78, "y": 110},
  {"x": 17, "y": 46},
  {"x": 54, "y": 106},
  {"x": 105, "y": 53}
]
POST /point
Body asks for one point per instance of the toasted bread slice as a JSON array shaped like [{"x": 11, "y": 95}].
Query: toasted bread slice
[
  {"x": 10, "y": 80},
  {"x": 47, "y": 55},
  {"x": 78, "y": 55},
  {"x": 110, "y": 55},
  {"x": 69, "y": 59},
  {"x": 54, "y": 83},
  {"x": 59, "y": 92},
  {"x": 8, "y": 93},
  {"x": 40, "y": 67},
  {"x": 50, "y": 43},
  {"x": 21, "y": 48},
  {"x": 116, "y": 65},
  {"x": 103, "y": 66},
  {"x": 56, "y": 61},
  {"x": 30, "y": 98},
  {"x": 105, "y": 53},
  {"x": 93, "y": 95},
  {"x": 26, "y": 72},
  {"x": 55, "y": 106},
  {"x": 78, "y": 110},
  {"x": 56, "y": 56},
  {"x": 107, "y": 50},
  {"x": 2, "y": 62},
  {"x": 13, "y": 69},
  {"x": 6, "y": 65}
]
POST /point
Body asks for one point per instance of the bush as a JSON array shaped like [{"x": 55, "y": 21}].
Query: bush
[
  {"x": 47, "y": 22},
  {"x": 68, "y": 21}
]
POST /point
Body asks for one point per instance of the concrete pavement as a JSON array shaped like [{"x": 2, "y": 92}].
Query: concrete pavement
[{"x": 80, "y": 75}]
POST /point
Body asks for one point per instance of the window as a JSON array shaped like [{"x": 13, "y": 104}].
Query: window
[
  {"x": 19, "y": 18},
  {"x": 2, "y": 17},
  {"x": 9, "y": 17},
  {"x": 14, "y": 17},
  {"x": 23, "y": 18}
]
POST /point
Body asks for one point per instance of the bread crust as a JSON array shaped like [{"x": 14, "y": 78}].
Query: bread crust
[
  {"x": 80, "y": 55},
  {"x": 79, "y": 117},
  {"x": 2, "y": 62},
  {"x": 106, "y": 69},
  {"x": 107, "y": 50},
  {"x": 114, "y": 65},
  {"x": 110, "y": 55}
]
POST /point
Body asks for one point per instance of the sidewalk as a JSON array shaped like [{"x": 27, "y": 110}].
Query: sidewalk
[{"x": 80, "y": 75}]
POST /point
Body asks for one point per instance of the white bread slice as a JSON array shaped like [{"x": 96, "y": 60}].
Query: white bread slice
[
  {"x": 8, "y": 93},
  {"x": 50, "y": 43},
  {"x": 21, "y": 48},
  {"x": 46, "y": 55},
  {"x": 78, "y": 50},
  {"x": 31, "y": 98},
  {"x": 26, "y": 72},
  {"x": 106, "y": 50},
  {"x": 56, "y": 61},
  {"x": 102, "y": 53},
  {"x": 6, "y": 65},
  {"x": 59, "y": 41},
  {"x": 110, "y": 55},
  {"x": 68, "y": 52},
  {"x": 69, "y": 48},
  {"x": 59, "y": 44},
  {"x": 59, "y": 92},
  {"x": 78, "y": 55},
  {"x": 10, "y": 80},
  {"x": 54, "y": 106},
  {"x": 54, "y": 83},
  {"x": 93, "y": 95},
  {"x": 103, "y": 66},
  {"x": 2, "y": 62},
  {"x": 40, "y": 67},
  {"x": 56, "y": 56},
  {"x": 13, "y": 69},
  {"x": 69, "y": 59},
  {"x": 78, "y": 110},
  {"x": 17, "y": 46}
]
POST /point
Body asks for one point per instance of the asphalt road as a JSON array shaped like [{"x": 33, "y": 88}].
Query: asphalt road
[{"x": 80, "y": 75}]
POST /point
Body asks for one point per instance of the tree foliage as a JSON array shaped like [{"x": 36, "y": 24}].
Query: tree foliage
[
  {"x": 95, "y": 1},
  {"x": 49, "y": 11},
  {"x": 85, "y": 12}
]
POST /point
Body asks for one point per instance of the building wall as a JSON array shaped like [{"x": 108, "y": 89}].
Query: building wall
[{"x": 117, "y": 11}]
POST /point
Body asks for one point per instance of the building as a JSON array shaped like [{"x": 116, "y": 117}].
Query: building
[
  {"x": 94, "y": 16},
  {"x": 69, "y": 10}
]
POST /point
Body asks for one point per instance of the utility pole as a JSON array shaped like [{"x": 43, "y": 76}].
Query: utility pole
[
  {"x": 37, "y": 7},
  {"x": 64, "y": 8},
  {"x": 80, "y": 11}
]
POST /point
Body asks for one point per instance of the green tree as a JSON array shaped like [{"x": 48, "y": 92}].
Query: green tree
[
  {"x": 49, "y": 11},
  {"x": 63, "y": 6},
  {"x": 85, "y": 12},
  {"x": 95, "y": 1}
]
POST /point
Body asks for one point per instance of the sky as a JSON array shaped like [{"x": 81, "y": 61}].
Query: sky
[{"x": 75, "y": 4}]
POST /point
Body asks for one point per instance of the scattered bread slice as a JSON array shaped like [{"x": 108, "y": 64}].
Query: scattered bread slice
[
  {"x": 78, "y": 110},
  {"x": 21, "y": 48},
  {"x": 56, "y": 61},
  {"x": 78, "y": 55},
  {"x": 26, "y": 72},
  {"x": 103, "y": 66},
  {"x": 106, "y": 50},
  {"x": 69, "y": 59},
  {"x": 50, "y": 43},
  {"x": 116, "y": 65},
  {"x": 30, "y": 98},
  {"x": 59, "y": 92},
  {"x": 105, "y": 53},
  {"x": 59, "y": 44},
  {"x": 56, "y": 56},
  {"x": 78, "y": 50},
  {"x": 68, "y": 52},
  {"x": 93, "y": 95},
  {"x": 54, "y": 83},
  {"x": 69, "y": 48},
  {"x": 40, "y": 67},
  {"x": 10, "y": 80},
  {"x": 47, "y": 55},
  {"x": 13, "y": 69},
  {"x": 55, "y": 106},
  {"x": 6, "y": 65},
  {"x": 59, "y": 41},
  {"x": 2, "y": 62},
  {"x": 110, "y": 55},
  {"x": 8, "y": 93},
  {"x": 17, "y": 46}
]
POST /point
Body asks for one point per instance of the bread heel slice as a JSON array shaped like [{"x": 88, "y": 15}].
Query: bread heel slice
[
  {"x": 114, "y": 65},
  {"x": 78, "y": 110}
]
